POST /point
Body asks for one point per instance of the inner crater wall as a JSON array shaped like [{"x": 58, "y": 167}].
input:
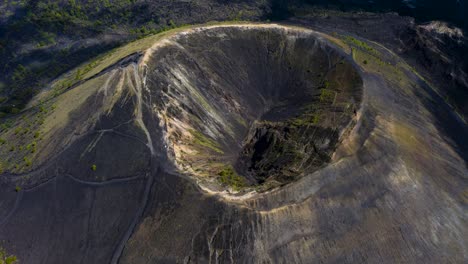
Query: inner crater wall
[{"x": 252, "y": 107}]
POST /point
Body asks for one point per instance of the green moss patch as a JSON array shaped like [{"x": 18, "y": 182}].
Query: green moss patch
[
  {"x": 202, "y": 140},
  {"x": 229, "y": 177},
  {"x": 327, "y": 95}
]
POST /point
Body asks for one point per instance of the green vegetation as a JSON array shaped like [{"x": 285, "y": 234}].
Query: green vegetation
[
  {"x": 23, "y": 140},
  {"x": 6, "y": 125},
  {"x": 32, "y": 147},
  {"x": 358, "y": 43},
  {"x": 27, "y": 161},
  {"x": 327, "y": 95},
  {"x": 241, "y": 121},
  {"x": 93, "y": 167},
  {"x": 229, "y": 177},
  {"x": 6, "y": 258},
  {"x": 17, "y": 188},
  {"x": 202, "y": 140},
  {"x": 306, "y": 120}
]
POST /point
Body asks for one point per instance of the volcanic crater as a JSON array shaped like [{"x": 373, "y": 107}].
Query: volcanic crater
[{"x": 251, "y": 107}]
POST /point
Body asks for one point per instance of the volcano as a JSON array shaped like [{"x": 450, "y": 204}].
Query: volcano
[{"x": 236, "y": 143}]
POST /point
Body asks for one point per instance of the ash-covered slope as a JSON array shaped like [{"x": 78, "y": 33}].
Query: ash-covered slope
[{"x": 237, "y": 143}]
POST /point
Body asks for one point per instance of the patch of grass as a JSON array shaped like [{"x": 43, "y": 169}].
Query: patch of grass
[
  {"x": 202, "y": 140},
  {"x": 241, "y": 121},
  {"x": 5, "y": 258},
  {"x": 229, "y": 177},
  {"x": 6, "y": 125},
  {"x": 358, "y": 43},
  {"x": 372, "y": 62},
  {"x": 33, "y": 147},
  {"x": 18, "y": 130},
  {"x": 327, "y": 95},
  {"x": 305, "y": 120},
  {"x": 27, "y": 161}
]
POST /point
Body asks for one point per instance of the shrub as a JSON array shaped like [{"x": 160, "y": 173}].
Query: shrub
[
  {"x": 229, "y": 177},
  {"x": 93, "y": 167},
  {"x": 27, "y": 161},
  {"x": 202, "y": 140},
  {"x": 18, "y": 130},
  {"x": 327, "y": 95},
  {"x": 7, "y": 259}
]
